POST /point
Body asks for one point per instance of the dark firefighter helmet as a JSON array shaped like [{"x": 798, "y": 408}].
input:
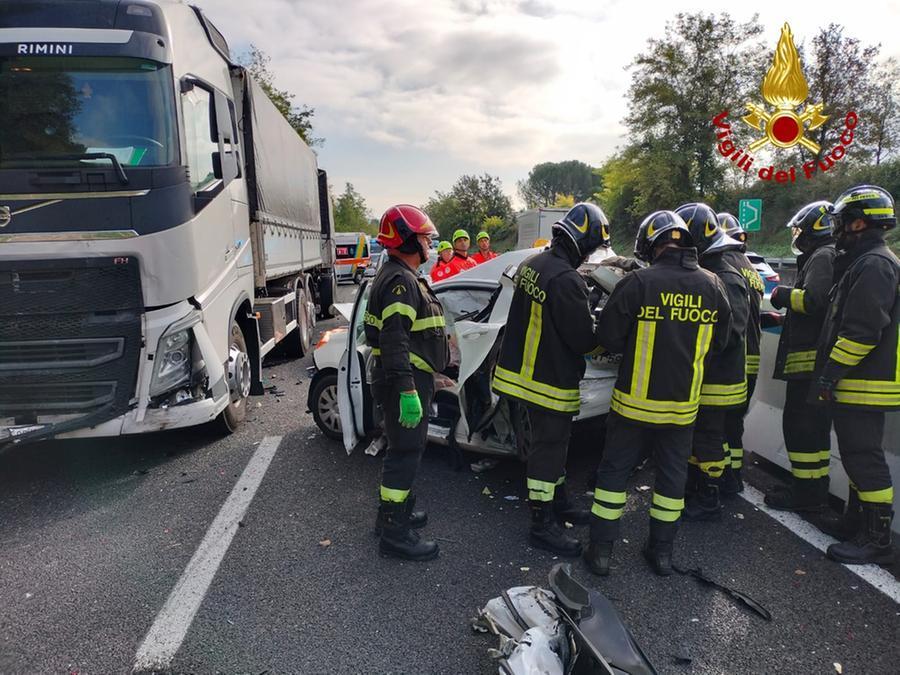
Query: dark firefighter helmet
[
  {"x": 703, "y": 223},
  {"x": 732, "y": 227},
  {"x": 811, "y": 224},
  {"x": 587, "y": 226},
  {"x": 658, "y": 228},
  {"x": 869, "y": 202}
]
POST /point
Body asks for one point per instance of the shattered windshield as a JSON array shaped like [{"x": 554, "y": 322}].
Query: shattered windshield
[{"x": 56, "y": 110}]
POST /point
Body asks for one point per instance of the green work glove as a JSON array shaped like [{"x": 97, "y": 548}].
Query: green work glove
[{"x": 410, "y": 409}]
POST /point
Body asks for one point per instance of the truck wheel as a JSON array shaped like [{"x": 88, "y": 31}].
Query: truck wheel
[
  {"x": 239, "y": 376},
  {"x": 324, "y": 399},
  {"x": 298, "y": 342},
  {"x": 326, "y": 295}
]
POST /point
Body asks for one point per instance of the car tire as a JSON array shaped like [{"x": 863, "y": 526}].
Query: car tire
[
  {"x": 238, "y": 376},
  {"x": 358, "y": 277},
  {"x": 324, "y": 404}
]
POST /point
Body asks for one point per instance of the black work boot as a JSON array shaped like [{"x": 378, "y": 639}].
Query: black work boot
[
  {"x": 397, "y": 539},
  {"x": 597, "y": 557},
  {"x": 565, "y": 510},
  {"x": 417, "y": 519},
  {"x": 704, "y": 504},
  {"x": 873, "y": 542},
  {"x": 547, "y": 534},
  {"x": 731, "y": 483},
  {"x": 845, "y": 526},
  {"x": 659, "y": 554},
  {"x": 805, "y": 495}
]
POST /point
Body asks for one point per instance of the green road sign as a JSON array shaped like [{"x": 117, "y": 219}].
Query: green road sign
[{"x": 750, "y": 214}]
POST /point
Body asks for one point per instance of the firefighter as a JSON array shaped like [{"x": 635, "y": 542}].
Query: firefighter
[
  {"x": 484, "y": 248},
  {"x": 549, "y": 330},
  {"x": 732, "y": 483},
  {"x": 858, "y": 363},
  {"x": 461, "y": 258},
  {"x": 443, "y": 269},
  {"x": 725, "y": 379},
  {"x": 404, "y": 324},
  {"x": 664, "y": 319},
  {"x": 806, "y": 427}
]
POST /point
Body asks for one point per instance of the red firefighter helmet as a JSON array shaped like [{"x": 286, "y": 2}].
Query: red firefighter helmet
[{"x": 401, "y": 222}]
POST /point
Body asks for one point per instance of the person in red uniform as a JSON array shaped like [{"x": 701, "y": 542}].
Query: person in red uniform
[
  {"x": 443, "y": 268},
  {"x": 484, "y": 248},
  {"x": 461, "y": 251}
]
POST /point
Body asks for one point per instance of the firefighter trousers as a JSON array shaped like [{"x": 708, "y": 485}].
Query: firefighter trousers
[
  {"x": 734, "y": 426},
  {"x": 860, "y": 436},
  {"x": 546, "y": 461},
  {"x": 405, "y": 446},
  {"x": 709, "y": 453},
  {"x": 807, "y": 432},
  {"x": 625, "y": 445}
]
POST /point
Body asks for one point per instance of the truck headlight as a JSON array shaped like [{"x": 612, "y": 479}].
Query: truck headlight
[{"x": 172, "y": 363}]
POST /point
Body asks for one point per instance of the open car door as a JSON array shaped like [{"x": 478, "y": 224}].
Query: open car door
[{"x": 351, "y": 376}]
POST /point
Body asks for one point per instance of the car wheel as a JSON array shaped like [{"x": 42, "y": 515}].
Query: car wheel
[
  {"x": 324, "y": 399},
  {"x": 239, "y": 376},
  {"x": 358, "y": 277}
]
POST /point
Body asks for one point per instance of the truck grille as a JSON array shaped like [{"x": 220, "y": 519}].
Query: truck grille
[
  {"x": 70, "y": 337},
  {"x": 59, "y": 353}
]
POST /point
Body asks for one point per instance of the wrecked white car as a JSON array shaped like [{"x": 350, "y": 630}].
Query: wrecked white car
[{"x": 465, "y": 413}]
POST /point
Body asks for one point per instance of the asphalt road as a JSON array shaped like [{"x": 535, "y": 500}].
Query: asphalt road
[{"x": 95, "y": 534}]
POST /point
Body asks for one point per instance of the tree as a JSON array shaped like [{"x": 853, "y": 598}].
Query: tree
[
  {"x": 702, "y": 65},
  {"x": 564, "y": 201},
  {"x": 468, "y": 203},
  {"x": 258, "y": 63},
  {"x": 881, "y": 116},
  {"x": 839, "y": 78},
  {"x": 547, "y": 180},
  {"x": 351, "y": 213}
]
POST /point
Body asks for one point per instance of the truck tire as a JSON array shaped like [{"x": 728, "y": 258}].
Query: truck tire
[
  {"x": 238, "y": 375},
  {"x": 324, "y": 404},
  {"x": 297, "y": 343},
  {"x": 326, "y": 295}
]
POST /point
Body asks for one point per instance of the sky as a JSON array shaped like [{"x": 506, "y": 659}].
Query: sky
[{"x": 411, "y": 94}]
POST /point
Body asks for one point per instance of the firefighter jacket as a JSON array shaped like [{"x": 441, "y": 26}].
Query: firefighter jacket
[
  {"x": 725, "y": 380},
  {"x": 665, "y": 320},
  {"x": 404, "y": 325},
  {"x": 861, "y": 338},
  {"x": 742, "y": 264},
  {"x": 549, "y": 330},
  {"x": 802, "y": 326},
  {"x": 480, "y": 257}
]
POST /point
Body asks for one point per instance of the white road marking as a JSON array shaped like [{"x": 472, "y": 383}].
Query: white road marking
[
  {"x": 167, "y": 633},
  {"x": 872, "y": 574}
]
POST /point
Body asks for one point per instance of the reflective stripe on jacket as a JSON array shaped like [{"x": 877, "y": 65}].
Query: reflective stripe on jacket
[
  {"x": 725, "y": 381},
  {"x": 861, "y": 339},
  {"x": 404, "y": 325},
  {"x": 664, "y": 320},
  {"x": 739, "y": 261},
  {"x": 548, "y": 332},
  {"x": 802, "y": 328}
]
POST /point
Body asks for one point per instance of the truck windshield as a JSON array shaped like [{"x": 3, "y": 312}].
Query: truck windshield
[{"x": 56, "y": 110}]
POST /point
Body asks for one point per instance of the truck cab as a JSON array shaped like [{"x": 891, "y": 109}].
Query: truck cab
[{"x": 131, "y": 250}]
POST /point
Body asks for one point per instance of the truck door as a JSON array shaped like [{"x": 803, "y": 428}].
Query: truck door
[{"x": 351, "y": 375}]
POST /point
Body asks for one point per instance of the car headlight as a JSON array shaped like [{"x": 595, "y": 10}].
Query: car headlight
[{"x": 173, "y": 360}]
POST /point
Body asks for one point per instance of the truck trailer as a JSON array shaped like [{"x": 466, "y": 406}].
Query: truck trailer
[
  {"x": 535, "y": 224},
  {"x": 162, "y": 226}
]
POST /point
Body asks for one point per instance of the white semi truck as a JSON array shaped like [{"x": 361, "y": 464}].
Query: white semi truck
[{"x": 162, "y": 227}]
